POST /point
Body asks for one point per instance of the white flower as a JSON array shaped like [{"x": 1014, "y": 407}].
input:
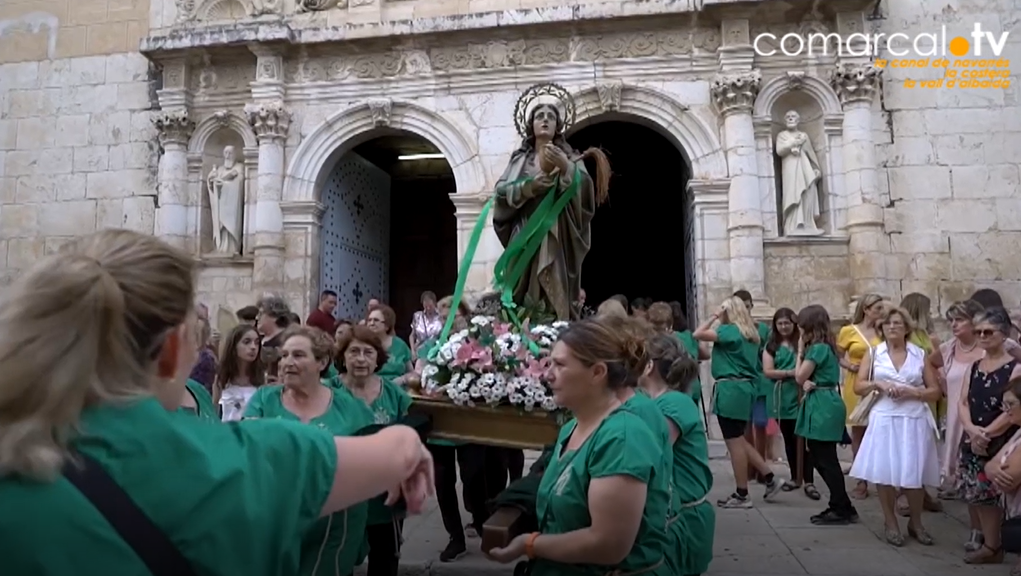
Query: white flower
[{"x": 480, "y": 321}]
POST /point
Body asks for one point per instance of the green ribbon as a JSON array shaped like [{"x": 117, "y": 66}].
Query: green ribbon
[{"x": 516, "y": 257}]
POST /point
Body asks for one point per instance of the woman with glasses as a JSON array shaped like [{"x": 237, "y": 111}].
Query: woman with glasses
[
  {"x": 986, "y": 429},
  {"x": 398, "y": 367}
]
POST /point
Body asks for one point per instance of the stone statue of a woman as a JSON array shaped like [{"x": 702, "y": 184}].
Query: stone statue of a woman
[
  {"x": 226, "y": 193},
  {"x": 544, "y": 205},
  {"x": 800, "y": 175}
]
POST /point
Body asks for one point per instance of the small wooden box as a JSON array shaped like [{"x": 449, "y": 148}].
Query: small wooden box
[{"x": 503, "y": 426}]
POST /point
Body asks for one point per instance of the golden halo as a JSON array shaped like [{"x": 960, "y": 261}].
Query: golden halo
[{"x": 537, "y": 91}]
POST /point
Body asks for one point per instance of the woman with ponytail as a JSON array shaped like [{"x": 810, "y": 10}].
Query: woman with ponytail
[
  {"x": 96, "y": 344},
  {"x": 667, "y": 379}
]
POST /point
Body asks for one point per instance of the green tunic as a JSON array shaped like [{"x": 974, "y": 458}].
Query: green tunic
[
  {"x": 645, "y": 408},
  {"x": 782, "y": 402},
  {"x": 623, "y": 445},
  {"x": 399, "y": 356},
  {"x": 232, "y": 497},
  {"x": 693, "y": 526},
  {"x": 204, "y": 408},
  {"x": 691, "y": 347},
  {"x": 736, "y": 371},
  {"x": 334, "y": 544},
  {"x": 391, "y": 405},
  {"x": 765, "y": 386},
  {"x": 822, "y": 413}
]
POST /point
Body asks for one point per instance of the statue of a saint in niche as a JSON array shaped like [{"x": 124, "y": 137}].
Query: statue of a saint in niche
[
  {"x": 544, "y": 205},
  {"x": 226, "y": 193},
  {"x": 799, "y": 179}
]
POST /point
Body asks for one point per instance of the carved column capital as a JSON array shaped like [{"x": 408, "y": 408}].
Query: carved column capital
[
  {"x": 173, "y": 126},
  {"x": 270, "y": 120},
  {"x": 320, "y": 5},
  {"x": 609, "y": 95},
  {"x": 736, "y": 91},
  {"x": 856, "y": 82},
  {"x": 380, "y": 108}
]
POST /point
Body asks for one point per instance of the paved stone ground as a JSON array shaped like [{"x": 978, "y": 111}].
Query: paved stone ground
[{"x": 772, "y": 538}]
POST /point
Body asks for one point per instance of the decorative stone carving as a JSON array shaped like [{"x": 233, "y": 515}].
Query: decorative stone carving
[
  {"x": 173, "y": 126},
  {"x": 609, "y": 95},
  {"x": 269, "y": 120},
  {"x": 185, "y": 10},
  {"x": 380, "y": 109},
  {"x": 799, "y": 178},
  {"x": 795, "y": 81},
  {"x": 736, "y": 33},
  {"x": 856, "y": 82},
  {"x": 268, "y": 70},
  {"x": 226, "y": 187},
  {"x": 736, "y": 91},
  {"x": 320, "y": 5},
  {"x": 505, "y": 54},
  {"x": 221, "y": 117},
  {"x": 262, "y": 7}
]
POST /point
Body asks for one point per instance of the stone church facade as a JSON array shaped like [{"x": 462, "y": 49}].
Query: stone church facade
[{"x": 114, "y": 112}]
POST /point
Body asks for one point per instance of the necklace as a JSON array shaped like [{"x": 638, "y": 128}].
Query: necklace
[{"x": 966, "y": 350}]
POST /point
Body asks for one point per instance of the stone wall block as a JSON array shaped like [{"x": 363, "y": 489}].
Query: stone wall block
[
  {"x": 19, "y": 221},
  {"x": 966, "y": 215},
  {"x": 109, "y": 213},
  {"x": 977, "y": 182},
  {"x": 133, "y": 96},
  {"x": 931, "y": 242},
  {"x": 8, "y": 134},
  {"x": 36, "y": 133},
  {"x": 72, "y": 130},
  {"x": 35, "y": 189},
  {"x": 73, "y": 218},
  {"x": 111, "y": 127},
  {"x": 25, "y": 252},
  {"x": 139, "y": 214},
  {"x": 91, "y": 158},
  {"x": 120, "y": 184},
  {"x": 917, "y": 182},
  {"x": 70, "y": 187}
]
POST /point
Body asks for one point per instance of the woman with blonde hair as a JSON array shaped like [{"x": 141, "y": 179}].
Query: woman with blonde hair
[
  {"x": 110, "y": 324},
  {"x": 611, "y": 308},
  {"x": 735, "y": 367},
  {"x": 853, "y": 342}
]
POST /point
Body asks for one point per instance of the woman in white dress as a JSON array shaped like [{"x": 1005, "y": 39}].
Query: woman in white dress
[{"x": 899, "y": 449}]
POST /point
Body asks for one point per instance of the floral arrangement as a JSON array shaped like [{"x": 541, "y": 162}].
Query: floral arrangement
[{"x": 492, "y": 363}]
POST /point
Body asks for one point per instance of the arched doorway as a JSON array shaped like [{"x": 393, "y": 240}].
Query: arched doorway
[
  {"x": 389, "y": 230},
  {"x": 642, "y": 237}
]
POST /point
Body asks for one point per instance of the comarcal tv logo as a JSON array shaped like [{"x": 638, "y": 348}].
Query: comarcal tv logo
[{"x": 972, "y": 61}]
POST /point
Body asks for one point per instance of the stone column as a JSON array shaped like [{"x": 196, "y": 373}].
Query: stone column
[
  {"x": 468, "y": 209},
  {"x": 174, "y": 129},
  {"x": 271, "y": 121},
  {"x": 734, "y": 95},
  {"x": 856, "y": 85}
]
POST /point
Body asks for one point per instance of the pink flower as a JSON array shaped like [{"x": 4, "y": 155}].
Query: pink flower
[
  {"x": 536, "y": 367},
  {"x": 499, "y": 328}
]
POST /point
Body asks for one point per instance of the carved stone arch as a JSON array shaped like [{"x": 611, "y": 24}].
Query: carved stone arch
[
  {"x": 314, "y": 157},
  {"x": 222, "y": 10},
  {"x": 795, "y": 81},
  {"x": 219, "y": 120},
  {"x": 697, "y": 142}
]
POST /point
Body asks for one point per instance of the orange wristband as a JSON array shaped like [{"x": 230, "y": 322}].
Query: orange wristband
[{"x": 530, "y": 545}]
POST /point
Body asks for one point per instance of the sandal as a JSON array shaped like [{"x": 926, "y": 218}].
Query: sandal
[
  {"x": 894, "y": 538},
  {"x": 984, "y": 555},
  {"x": 975, "y": 541},
  {"x": 789, "y": 486},
  {"x": 812, "y": 492},
  {"x": 861, "y": 490},
  {"x": 920, "y": 536}
]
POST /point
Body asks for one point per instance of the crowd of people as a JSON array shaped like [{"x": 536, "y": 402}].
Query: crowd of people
[{"x": 302, "y": 454}]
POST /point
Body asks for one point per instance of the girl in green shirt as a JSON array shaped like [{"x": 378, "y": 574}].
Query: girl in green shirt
[
  {"x": 822, "y": 414},
  {"x": 735, "y": 367},
  {"x": 667, "y": 380},
  {"x": 778, "y": 362},
  {"x": 604, "y": 500},
  {"x": 333, "y": 544},
  {"x": 397, "y": 367}
]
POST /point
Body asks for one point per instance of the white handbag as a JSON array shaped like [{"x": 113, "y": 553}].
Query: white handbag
[{"x": 860, "y": 415}]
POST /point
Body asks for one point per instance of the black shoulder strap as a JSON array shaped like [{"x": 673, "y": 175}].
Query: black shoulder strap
[{"x": 132, "y": 524}]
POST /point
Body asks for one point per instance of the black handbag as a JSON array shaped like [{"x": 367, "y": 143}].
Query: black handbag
[{"x": 1010, "y": 535}]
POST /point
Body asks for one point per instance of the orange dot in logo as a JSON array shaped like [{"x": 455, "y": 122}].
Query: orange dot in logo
[{"x": 959, "y": 46}]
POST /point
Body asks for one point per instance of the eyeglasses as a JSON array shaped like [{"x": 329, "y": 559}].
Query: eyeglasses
[
  {"x": 373, "y": 321},
  {"x": 987, "y": 333}
]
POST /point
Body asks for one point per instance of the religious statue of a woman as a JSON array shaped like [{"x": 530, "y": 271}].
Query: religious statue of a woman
[
  {"x": 799, "y": 179},
  {"x": 226, "y": 192},
  {"x": 544, "y": 205}
]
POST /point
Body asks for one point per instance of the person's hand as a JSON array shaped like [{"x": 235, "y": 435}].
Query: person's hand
[
  {"x": 853, "y": 368},
  {"x": 558, "y": 157},
  {"x": 1002, "y": 479},
  {"x": 514, "y": 550},
  {"x": 801, "y": 346},
  {"x": 416, "y": 488},
  {"x": 808, "y": 386},
  {"x": 542, "y": 182}
]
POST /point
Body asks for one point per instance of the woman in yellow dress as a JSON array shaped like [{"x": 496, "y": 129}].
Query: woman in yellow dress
[{"x": 853, "y": 341}]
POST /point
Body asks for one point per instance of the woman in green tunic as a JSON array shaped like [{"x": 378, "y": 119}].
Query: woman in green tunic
[
  {"x": 332, "y": 545},
  {"x": 822, "y": 413},
  {"x": 397, "y": 368},
  {"x": 373, "y": 399},
  {"x": 668, "y": 320},
  {"x": 735, "y": 367},
  {"x": 778, "y": 362},
  {"x": 604, "y": 500},
  {"x": 196, "y": 400},
  {"x": 110, "y": 323},
  {"x": 670, "y": 373}
]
